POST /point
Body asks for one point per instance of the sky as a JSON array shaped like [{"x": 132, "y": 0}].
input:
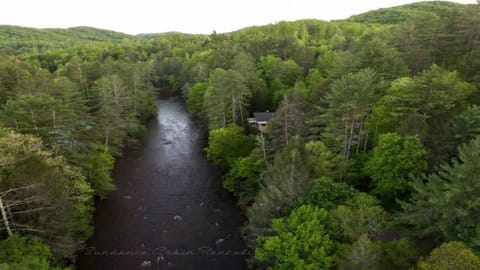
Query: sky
[{"x": 188, "y": 16}]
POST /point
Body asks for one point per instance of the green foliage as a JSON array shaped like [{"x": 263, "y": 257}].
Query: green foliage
[
  {"x": 283, "y": 184},
  {"x": 450, "y": 256},
  {"x": 426, "y": 106},
  {"x": 244, "y": 64},
  {"x": 315, "y": 84},
  {"x": 226, "y": 99},
  {"x": 385, "y": 60},
  {"x": 444, "y": 205},
  {"x": 280, "y": 75},
  {"x": 195, "y": 98},
  {"x": 327, "y": 194},
  {"x": 56, "y": 203},
  {"x": 26, "y": 111},
  {"x": 84, "y": 90},
  {"x": 395, "y": 160},
  {"x": 401, "y": 14},
  {"x": 226, "y": 145},
  {"x": 17, "y": 39},
  {"x": 340, "y": 63},
  {"x": 399, "y": 254},
  {"x": 466, "y": 125},
  {"x": 349, "y": 102},
  {"x": 299, "y": 241},
  {"x": 97, "y": 165},
  {"x": 25, "y": 253},
  {"x": 363, "y": 254},
  {"x": 244, "y": 177},
  {"x": 434, "y": 92},
  {"x": 323, "y": 162},
  {"x": 360, "y": 215},
  {"x": 367, "y": 254},
  {"x": 288, "y": 121}
]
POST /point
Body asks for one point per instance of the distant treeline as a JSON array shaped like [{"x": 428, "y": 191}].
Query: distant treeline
[{"x": 370, "y": 162}]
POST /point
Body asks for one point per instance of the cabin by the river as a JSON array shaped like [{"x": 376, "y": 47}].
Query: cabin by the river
[{"x": 259, "y": 121}]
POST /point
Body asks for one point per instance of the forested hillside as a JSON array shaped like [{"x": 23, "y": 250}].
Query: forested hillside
[
  {"x": 20, "y": 40},
  {"x": 370, "y": 162}
]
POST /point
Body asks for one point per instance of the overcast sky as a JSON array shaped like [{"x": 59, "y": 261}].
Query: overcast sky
[{"x": 189, "y": 16}]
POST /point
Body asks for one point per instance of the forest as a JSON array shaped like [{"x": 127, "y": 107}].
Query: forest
[{"x": 371, "y": 161}]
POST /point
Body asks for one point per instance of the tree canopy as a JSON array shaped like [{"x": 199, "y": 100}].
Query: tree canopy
[{"x": 366, "y": 111}]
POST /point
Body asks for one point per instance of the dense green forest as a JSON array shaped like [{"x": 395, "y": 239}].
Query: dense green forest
[{"x": 372, "y": 160}]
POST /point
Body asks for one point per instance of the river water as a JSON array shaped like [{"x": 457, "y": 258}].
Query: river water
[{"x": 169, "y": 210}]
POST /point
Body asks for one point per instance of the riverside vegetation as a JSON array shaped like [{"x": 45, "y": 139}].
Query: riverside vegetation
[{"x": 372, "y": 160}]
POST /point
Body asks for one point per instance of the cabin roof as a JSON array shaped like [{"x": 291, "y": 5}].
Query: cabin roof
[{"x": 263, "y": 116}]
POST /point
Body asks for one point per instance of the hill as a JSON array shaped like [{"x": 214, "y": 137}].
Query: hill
[
  {"x": 18, "y": 40},
  {"x": 400, "y": 14}
]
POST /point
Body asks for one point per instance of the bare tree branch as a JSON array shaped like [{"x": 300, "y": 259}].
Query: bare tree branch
[{"x": 18, "y": 189}]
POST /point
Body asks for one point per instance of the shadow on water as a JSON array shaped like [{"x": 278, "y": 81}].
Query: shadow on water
[{"x": 169, "y": 210}]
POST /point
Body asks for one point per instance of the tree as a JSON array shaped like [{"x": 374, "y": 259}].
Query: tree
[
  {"x": 112, "y": 114},
  {"x": 244, "y": 177},
  {"x": 261, "y": 99},
  {"x": 385, "y": 60},
  {"x": 141, "y": 92},
  {"x": 77, "y": 71},
  {"x": 417, "y": 39},
  {"x": 343, "y": 62},
  {"x": 395, "y": 160},
  {"x": 199, "y": 72},
  {"x": 424, "y": 106},
  {"x": 283, "y": 184},
  {"x": 316, "y": 85},
  {"x": 226, "y": 145},
  {"x": 305, "y": 57},
  {"x": 360, "y": 215},
  {"x": 288, "y": 121},
  {"x": 363, "y": 254},
  {"x": 195, "y": 97},
  {"x": 444, "y": 205},
  {"x": 399, "y": 254},
  {"x": 299, "y": 241},
  {"x": 25, "y": 253},
  {"x": 349, "y": 102},
  {"x": 41, "y": 194},
  {"x": 26, "y": 113},
  {"x": 466, "y": 125},
  {"x": 367, "y": 254},
  {"x": 244, "y": 64},
  {"x": 450, "y": 256},
  {"x": 56, "y": 114},
  {"x": 226, "y": 99},
  {"x": 285, "y": 71},
  {"x": 323, "y": 162},
  {"x": 279, "y": 75},
  {"x": 327, "y": 194},
  {"x": 97, "y": 164}
]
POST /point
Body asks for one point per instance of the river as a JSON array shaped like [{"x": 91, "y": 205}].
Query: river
[{"x": 169, "y": 210}]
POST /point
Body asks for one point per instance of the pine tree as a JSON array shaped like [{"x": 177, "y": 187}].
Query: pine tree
[
  {"x": 444, "y": 206},
  {"x": 349, "y": 102},
  {"x": 226, "y": 99},
  {"x": 283, "y": 184}
]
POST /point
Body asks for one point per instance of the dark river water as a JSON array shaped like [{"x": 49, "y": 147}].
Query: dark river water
[{"x": 169, "y": 210}]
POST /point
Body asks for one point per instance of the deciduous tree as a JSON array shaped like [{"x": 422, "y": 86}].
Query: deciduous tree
[
  {"x": 395, "y": 161},
  {"x": 299, "y": 241}
]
